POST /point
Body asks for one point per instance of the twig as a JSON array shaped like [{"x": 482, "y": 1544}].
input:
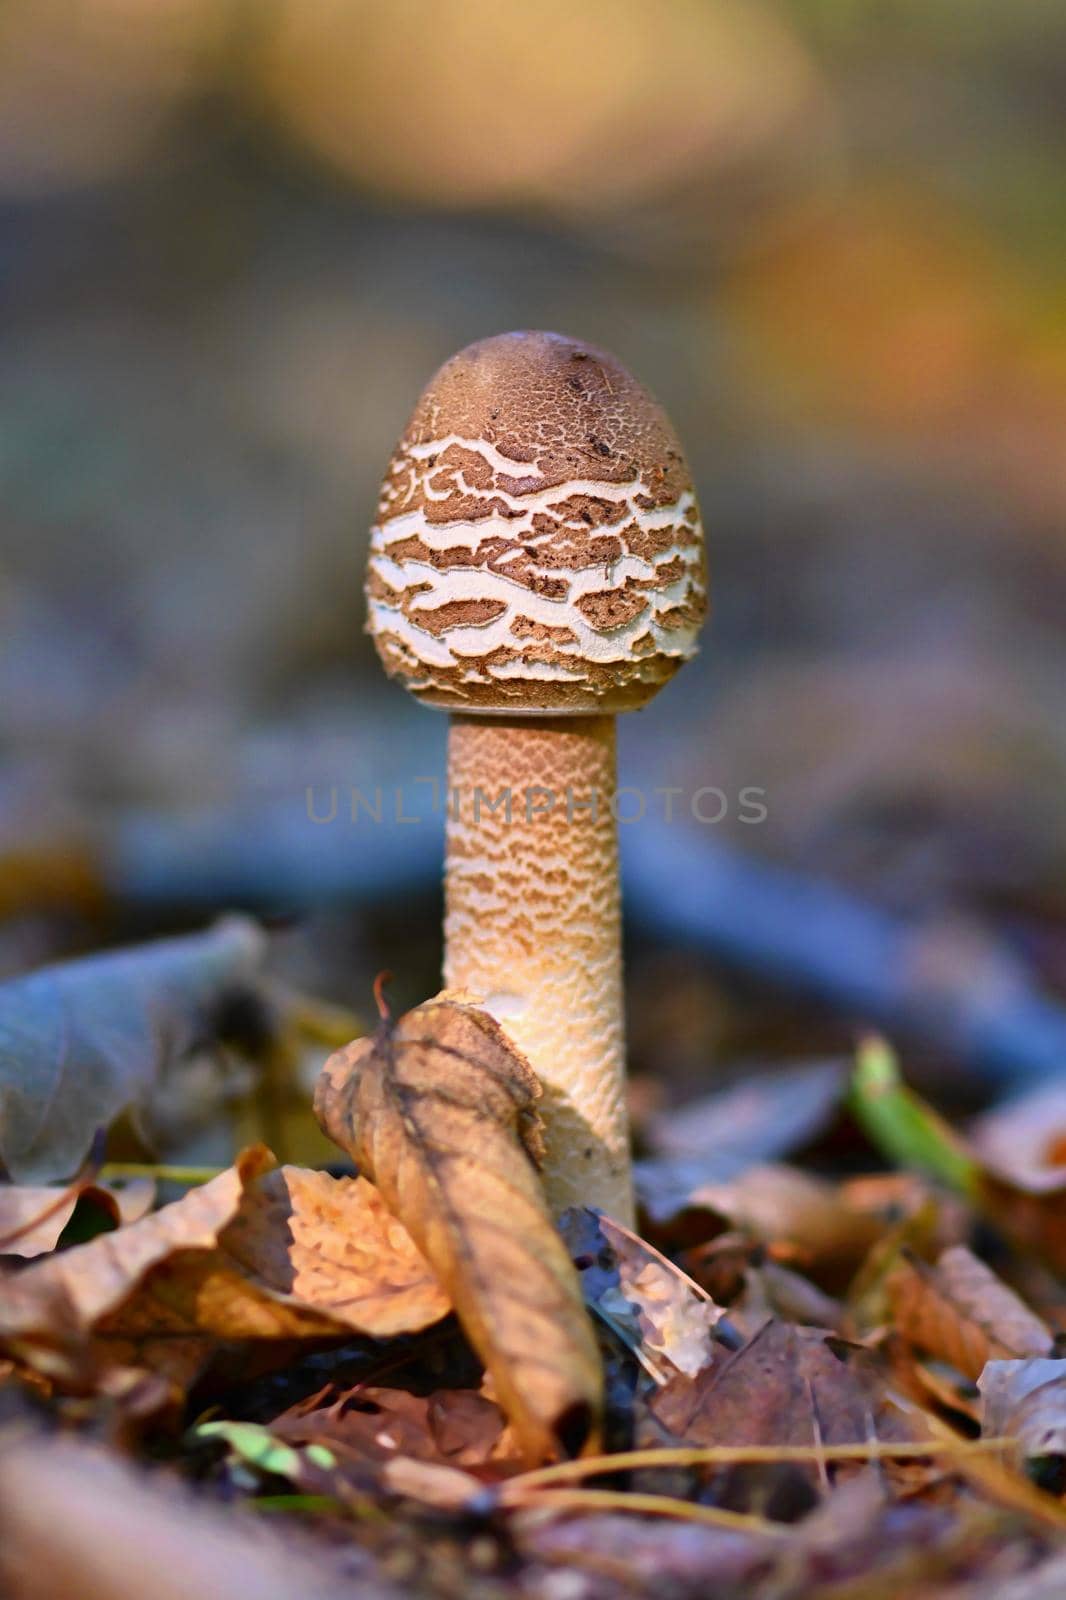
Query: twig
[
  {"x": 731, "y": 1455},
  {"x": 650, "y": 1505},
  {"x": 163, "y": 1174}
]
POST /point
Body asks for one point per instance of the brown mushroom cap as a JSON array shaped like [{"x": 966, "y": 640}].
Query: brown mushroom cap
[{"x": 538, "y": 547}]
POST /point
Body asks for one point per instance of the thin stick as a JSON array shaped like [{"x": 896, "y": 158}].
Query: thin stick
[
  {"x": 164, "y": 1174},
  {"x": 726, "y": 1455},
  {"x": 651, "y": 1505}
]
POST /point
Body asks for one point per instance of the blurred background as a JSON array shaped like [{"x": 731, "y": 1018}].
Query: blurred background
[{"x": 237, "y": 236}]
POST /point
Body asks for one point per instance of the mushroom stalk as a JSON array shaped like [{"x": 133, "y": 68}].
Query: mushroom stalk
[
  {"x": 537, "y": 566},
  {"x": 533, "y": 928}
]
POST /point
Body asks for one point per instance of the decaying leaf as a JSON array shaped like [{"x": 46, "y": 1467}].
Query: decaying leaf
[
  {"x": 54, "y": 1304},
  {"x": 367, "y": 1427},
  {"x": 440, "y": 1111},
  {"x": 255, "y": 1254},
  {"x": 786, "y": 1386},
  {"x": 81, "y": 1041},
  {"x": 962, "y": 1313},
  {"x": 1026, "y": 1400}
]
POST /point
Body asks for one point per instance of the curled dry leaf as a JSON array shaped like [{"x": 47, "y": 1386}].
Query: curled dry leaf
[
  {"x": 962, "y": 1313},
  {"x": 439, "y": 1110},
  {"x": 254, "y": 1254}
]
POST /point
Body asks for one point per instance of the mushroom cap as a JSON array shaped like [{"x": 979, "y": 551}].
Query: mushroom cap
[{"x": 538, "y": 546}]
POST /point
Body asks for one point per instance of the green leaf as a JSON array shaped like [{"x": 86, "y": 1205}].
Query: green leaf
[
  {"x": 907, "y": 1131},
  {"x": 257, "y": 1447}
]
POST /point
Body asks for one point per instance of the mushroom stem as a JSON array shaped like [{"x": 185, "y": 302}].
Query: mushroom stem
[{"x": 533, "y": 928}]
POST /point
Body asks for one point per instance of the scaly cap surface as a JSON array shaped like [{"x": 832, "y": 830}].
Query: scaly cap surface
[{"x": 538, "y": 547}]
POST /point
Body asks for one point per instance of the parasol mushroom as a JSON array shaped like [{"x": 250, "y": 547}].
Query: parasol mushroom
[{"x": 537, "y": 566}]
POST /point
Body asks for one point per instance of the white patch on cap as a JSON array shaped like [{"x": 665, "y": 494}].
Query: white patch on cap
[{"x": 409, "y": 586}]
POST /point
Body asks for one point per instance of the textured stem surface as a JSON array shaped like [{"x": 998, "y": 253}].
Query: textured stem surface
[{"x": 533, "y": 928}]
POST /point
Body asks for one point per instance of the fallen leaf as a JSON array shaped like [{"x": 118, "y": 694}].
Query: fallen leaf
[
  {"x": 1029, "y": 1209},
  {"x": 786, "y": 1386},
  {"x": 310, "y": 1242},
  {"x": 961, "y": 1312},
  {"x": 440, "y": 1111},
  {"x": 1026, "y": 1400},
  {"x": 21, "y": 1204},
  {"x": 83, "y": 1040},
  {"x": 806, "y": 1217},
  {"x": 370, "y": 1426},
  {"x": 53, "y": 1304},
  {"x": 255, "y": 1254}
]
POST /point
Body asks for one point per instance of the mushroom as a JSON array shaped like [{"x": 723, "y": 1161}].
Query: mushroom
[{"x": 537, "y": 566}]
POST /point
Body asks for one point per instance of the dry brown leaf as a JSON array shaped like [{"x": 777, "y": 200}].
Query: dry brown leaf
[
  {"x": 961, "y": 1312},
  {"x": 306, "y": 1256},
  {"x": 50, "y": 1307},
  {"x": 777, "y": 1205},
  {"x": 367, "y": 1427},
  {"x": 255, "y": 1254},
  {"x": 786, "y": 1386},
  {"x": 439, "y": 1110},
  {"x": 33, "y": 1216}
]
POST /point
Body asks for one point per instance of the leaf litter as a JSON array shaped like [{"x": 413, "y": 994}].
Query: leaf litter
[{"x": 805, "y": 1384}]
